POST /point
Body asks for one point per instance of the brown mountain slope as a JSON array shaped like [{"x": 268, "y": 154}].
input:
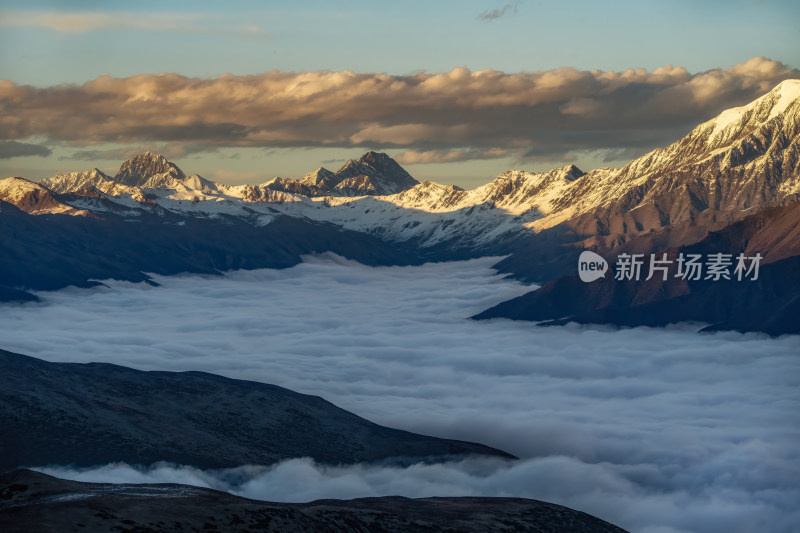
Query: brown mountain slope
[{"x": 770, "y": 303}]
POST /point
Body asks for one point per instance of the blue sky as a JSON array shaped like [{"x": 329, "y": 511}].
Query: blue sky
[
  {"x": 211, "y": 38},
  {"x": 50, "y": 43}
]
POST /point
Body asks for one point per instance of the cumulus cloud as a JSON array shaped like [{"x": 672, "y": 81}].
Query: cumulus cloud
[
  {"x": 87, "y": 21},
  {"x": 9, "y": 149},
  {"x": 548, "y": 114},
  {"x": 494, "y": 14},
  {"x": 653, "y": 429}
]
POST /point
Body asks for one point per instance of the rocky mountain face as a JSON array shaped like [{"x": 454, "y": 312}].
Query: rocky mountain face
[
  {"x": 125, "y": 415},
  {"x": 745, "y": 158},
  {"x": 770, "y": 303},
  {"x": 34, "y": 198},
  {"x": 78, "y": 181},
  {"x": 150, "y": 171},
  {"x": 374, "y": 174},
  {"x": 32, "y": 502}
]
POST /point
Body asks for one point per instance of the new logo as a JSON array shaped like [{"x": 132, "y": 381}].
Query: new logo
[{"x": 591, "y": 266}]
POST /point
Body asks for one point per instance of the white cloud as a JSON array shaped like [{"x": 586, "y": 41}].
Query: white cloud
[{"x": 656, "y": 430}]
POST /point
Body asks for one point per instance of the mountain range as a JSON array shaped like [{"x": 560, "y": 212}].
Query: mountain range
[
  {"x": 87, "y": 225},
  {"x": 730, "y": 186}
]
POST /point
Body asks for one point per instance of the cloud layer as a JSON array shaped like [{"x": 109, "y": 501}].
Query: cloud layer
[
  {"x": 657, "y": 430},
  {"x": 448, "y": 116}
]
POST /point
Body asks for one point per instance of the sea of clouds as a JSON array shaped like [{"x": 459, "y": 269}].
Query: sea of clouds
[{"x": 655, "y": 430}]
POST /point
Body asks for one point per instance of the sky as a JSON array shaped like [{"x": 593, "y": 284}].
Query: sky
[
  {"x": 656, "y": 430},
  {"x": 458, "y": 91}
]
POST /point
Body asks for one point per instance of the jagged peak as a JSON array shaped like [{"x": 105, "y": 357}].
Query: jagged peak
[
  {"x": 349, "y": 163},
  {"x": 760, "y": 110},
  {"x": 376, "y": 160},
  {"x": 375, "y": 157},
  {"x": 94, "y": 172},
  {"x": 321, "y": 177},
  {"x": 386, "y": 174},
  {"x": 321, "y": 171},
  {"x": 427, "y": 184},
  {"x": 147, "y": 157},
  {"x": 16, "y": 181},
  {"x": 569, "y": 172},
  {"x": 790, "y": 88},
  {"x": 33, "y": 198},
  {"x": 141, "y": 167},
  {"x": 514, "y": 174}
]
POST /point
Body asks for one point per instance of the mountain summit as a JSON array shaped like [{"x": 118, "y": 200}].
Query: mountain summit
[
  {"x": 149, "y": 170},
  {"x": 374, "y": 174}
]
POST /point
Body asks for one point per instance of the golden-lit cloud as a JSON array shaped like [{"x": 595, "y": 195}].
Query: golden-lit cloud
[{"x": 447, "y": 116}]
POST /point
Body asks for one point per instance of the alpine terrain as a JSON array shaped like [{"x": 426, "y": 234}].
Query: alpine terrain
[{"x": 82, "y": 226}]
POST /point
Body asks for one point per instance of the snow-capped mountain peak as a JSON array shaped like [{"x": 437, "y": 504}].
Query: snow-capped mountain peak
[
  {"x": 149, "y": 170},
  {"x": 739, "y": 121},
  {"x": 374, "y": 173},
  {"x": 745, "y": 157},
  {"x": 34, "y": 198},
  {"x": 322, "y": 178}
]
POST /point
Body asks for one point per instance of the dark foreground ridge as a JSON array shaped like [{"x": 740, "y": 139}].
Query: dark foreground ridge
[
  {"x": 31, "y": 502},
  {"x": 96, "y": 413}
]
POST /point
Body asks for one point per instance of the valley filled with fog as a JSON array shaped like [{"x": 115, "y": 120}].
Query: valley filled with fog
[{"x": 655, "y": 430}]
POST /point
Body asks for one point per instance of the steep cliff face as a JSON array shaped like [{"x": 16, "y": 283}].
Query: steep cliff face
[
  {"x": 150, "y": 171},
  {"x": 744, "y": 158}
]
